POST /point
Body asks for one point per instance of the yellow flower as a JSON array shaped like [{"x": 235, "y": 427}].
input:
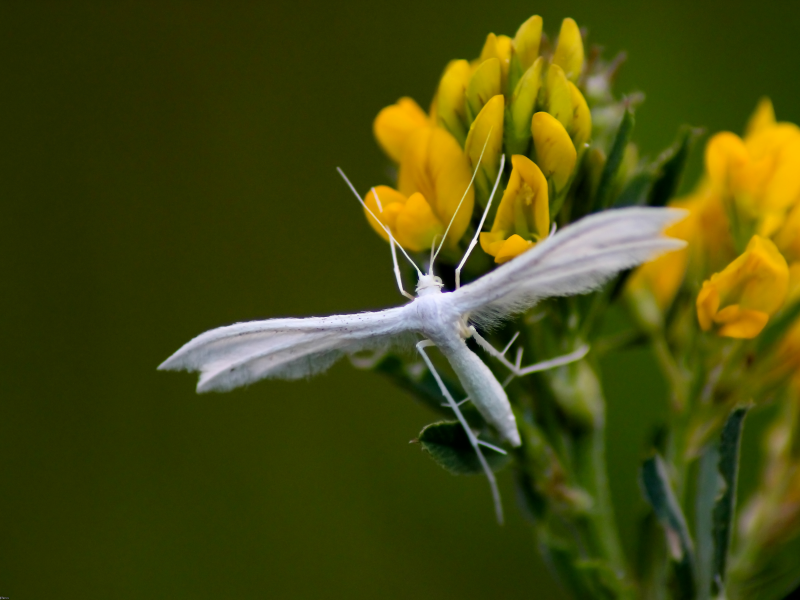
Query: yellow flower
[
  {"x": 451, "y": 101},
  {"x": 411, "y": 220},
  {"x": 486, "y": 131},
  {"x": 554, "y": 151},
  {"x": 760, "y": 172},
  {"x": 569, "y": 51},
  {"x": 741, "y": 299},
  {"x": 394, "y": 125},
  {"x": 523, "y": 217},
  {"x": 434, "y": 165}
]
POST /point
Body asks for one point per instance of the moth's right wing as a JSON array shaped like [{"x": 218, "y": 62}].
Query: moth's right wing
[
  {"x": 240, "y": 354},
  {"x": 575, "y": 260}
]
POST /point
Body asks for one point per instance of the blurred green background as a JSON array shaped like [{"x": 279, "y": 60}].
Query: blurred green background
[{"x": 168, "y": 167}]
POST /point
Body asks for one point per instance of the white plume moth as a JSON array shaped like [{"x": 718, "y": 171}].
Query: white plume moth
[{"x": 575, "y": 260}]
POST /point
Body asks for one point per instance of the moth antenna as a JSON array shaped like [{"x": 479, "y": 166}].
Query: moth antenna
[
  {"x": 430, "y": 264},
  {"x": 392, "y": 244},
  {"x": 372, "y": 214},
  {"x": 480, "y": 225},
  {"x": 474, "y": 173}
]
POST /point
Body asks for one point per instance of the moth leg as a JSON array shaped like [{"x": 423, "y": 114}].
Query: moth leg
[
  {"x": 516, "y": 369},
  {"x": 476, "y": 444},
  {"x": 464, "y": 401},
  {"x": 480, "y": 225}
]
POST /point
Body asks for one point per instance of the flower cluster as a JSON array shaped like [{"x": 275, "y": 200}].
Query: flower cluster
[
  {"x": 517, "y": 98},
  {"x": 743, "y": 231}
]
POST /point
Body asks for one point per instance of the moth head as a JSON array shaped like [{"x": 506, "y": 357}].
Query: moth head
[{"x": 429, "y": 284}]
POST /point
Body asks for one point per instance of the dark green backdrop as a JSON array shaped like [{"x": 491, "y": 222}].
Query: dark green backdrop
[{"x": 168, "y": 167}]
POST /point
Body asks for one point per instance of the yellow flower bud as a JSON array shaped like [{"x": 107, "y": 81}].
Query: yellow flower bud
[
  {"x": 411, "y": 220},
  {"x": 569, "y": 51},
  {"x": 487, "y": 129},
  {"x": 558, "y": 96},
  {"x": 499, "y": 47},
  {"x": 527, "y": 40},
  {"x": 762, "y": 118},
  {"x": 484, "y": 85},
  {"x": 521, "y": 108},
  {"x": 523, "y": 216},
  {"x": 394, "y": 124},
  {"x": 434, "y": 165},
  {"x": 582, "y": 118},
  {"x": 555, "y": 154},
  {"x": 451, "y": 107},
  {"x": 741, "y": 299}
]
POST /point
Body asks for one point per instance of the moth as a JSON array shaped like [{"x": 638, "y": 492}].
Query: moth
[{"x": 575, "y": 260}]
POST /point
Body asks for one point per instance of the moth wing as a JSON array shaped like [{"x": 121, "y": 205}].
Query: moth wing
[
  {"x": 243, "y": 353},
  {"x": 575, "y": 260}
]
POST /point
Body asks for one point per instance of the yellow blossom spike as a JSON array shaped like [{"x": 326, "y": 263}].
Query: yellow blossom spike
[
  {"x": 555, "y": 153},
  {"x": 527, "y": 41},
  {"x": 488, "y": 125},
  {"x": 558, "y": 96},
  {"x": 523, "y": 216},
  {"x": 521, "y": 108},
  {"x": 582, "y": 118},
  {"x": 451, "y": 108},
  {"x": 762, "y": 118},
  {"x": 484, "y": 85},
  {"x": 434, "y": 165},
  {"x": 395, "y": 123},
  {"x": 569, "y": 51},
  {"x": 741, "y": 298}
]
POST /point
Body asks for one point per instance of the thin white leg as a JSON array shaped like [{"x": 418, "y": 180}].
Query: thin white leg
[
  {"x": 515, "y": 367},
  {"x": 498, "y": 506},
  {"x": 480, "y": 225}
]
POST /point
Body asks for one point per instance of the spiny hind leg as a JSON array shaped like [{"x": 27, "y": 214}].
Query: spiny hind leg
[
  {"x": 473, "y": 440},
  {"x": 516, "y": 367}
]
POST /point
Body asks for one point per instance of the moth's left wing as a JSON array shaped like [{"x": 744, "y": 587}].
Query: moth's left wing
[
  {"x": 575, "y": 260},
  {"x": 240, "y": 354}
]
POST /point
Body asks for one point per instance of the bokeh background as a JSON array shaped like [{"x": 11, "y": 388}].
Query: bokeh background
[{"x": 167, "y": 167}]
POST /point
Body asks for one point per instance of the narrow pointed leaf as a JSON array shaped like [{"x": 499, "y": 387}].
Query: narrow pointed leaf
[
  {"x": 725, "y": 506},
  {"x": 605, "y": 189},
  {"x": 671, "y": 164},
  {"x": 658, "y": 493}
]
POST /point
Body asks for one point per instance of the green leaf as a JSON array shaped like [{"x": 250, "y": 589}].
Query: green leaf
[
  {"x": 605, "y": 189},
  {"x": 449, "y": 446},
  {"x": 709, "y": 488},
  {"x": 658, "y": 493},
  {"x": 669, "y": 167},
  {"x": 725, "y": 506}
]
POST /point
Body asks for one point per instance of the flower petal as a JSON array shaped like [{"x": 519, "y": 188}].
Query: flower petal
[
  {"x": 527, "y": 40},
  {"x": 451, "y": 108},
  {"x": 555, "y": 153},
  {"x": 394, "y": 124},
  {"x": 569, "y": 51},
  {"x": 487, "y": 129},
  {"x": 484, "y": 85}
]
